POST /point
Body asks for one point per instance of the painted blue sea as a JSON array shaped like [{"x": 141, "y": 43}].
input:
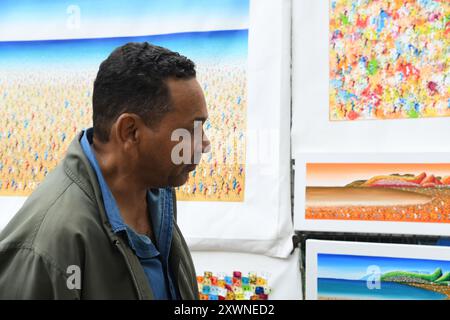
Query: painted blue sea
[
  {"x": 357, "y": 289},
  {"x": 200, "y": 46}
]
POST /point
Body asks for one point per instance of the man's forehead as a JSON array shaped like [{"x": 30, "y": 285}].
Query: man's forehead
[
  {"x": 188, "y": 99},
  {"x": 180, "y": 86}
]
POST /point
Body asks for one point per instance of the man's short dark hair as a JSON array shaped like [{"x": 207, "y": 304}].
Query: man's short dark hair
[{"x": 132, "y": 79}]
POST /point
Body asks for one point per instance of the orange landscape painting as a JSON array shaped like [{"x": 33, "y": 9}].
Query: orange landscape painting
[{"x": 378, "y": 192}]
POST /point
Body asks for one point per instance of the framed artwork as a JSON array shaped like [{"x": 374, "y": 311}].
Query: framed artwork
[{"x": 338, "y": 270}]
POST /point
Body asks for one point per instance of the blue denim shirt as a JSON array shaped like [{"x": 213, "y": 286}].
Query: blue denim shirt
[{"x": 153, "y": 261}]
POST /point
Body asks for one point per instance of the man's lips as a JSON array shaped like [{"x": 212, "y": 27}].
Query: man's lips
[{"x": 191, "y": 167}]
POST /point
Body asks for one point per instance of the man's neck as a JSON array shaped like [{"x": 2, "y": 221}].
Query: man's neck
[{"x": 130, "y": 197}]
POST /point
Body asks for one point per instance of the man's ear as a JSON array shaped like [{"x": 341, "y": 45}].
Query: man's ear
[{"x": 125, "y": 129}]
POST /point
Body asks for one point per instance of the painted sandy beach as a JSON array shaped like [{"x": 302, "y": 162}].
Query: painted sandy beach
[
  {"x": 49, "y": 58},
  {"x": 378, "y": 192},
  {"x": 43, "y": 107},
  {"x": 318, "y": 197}
]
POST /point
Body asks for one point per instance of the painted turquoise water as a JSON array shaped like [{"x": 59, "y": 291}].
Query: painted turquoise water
[{"x": 357, "y": 289}]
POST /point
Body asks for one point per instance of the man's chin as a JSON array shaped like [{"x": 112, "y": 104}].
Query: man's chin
[{"x": 179, "y": 180}]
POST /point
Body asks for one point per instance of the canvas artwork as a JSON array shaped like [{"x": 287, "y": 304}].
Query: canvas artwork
[
  {"x": 233, "y": 286},
  {"x": 243, "y": 276},
  {"x": 395, "y": 192},
  {"x": 373, "y": 271},
  {"x": 389, "y": 59},
  {"x": 49, "y": 56},
  {"x": 46, "y": 86}
]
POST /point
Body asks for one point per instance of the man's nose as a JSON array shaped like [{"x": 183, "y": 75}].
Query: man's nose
[{"x": 206, "y": 144}]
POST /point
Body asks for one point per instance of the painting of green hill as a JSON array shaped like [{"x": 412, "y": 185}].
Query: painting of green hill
[
  {"x": 434, "y": 277},
  {"x": 436, "y": 281}
]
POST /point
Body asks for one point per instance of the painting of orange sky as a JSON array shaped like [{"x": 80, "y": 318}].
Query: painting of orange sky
[{"x": 341, "y": 174}]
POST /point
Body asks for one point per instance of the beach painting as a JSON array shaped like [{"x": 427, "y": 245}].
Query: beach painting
[
  {"x": 375, "y": 193},
  {"x": 400, "y": 192},
  {"x": 47, "y": 74},
  {"x": 389, "y": 59},
  {"x": 373, "y": 271}
]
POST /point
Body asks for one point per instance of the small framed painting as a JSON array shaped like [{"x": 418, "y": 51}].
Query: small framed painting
[
  {"x": 397, "y": 193},
  {"x": 339, "y": 270}
]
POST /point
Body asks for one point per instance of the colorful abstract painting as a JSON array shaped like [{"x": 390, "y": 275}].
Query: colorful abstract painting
[
  {"x": 389, "y": 192},
  {"x": 389, "y": 59},
  {"x": 235, "y": 286},
  {"x": 372, "y": 271},
  {"x": 46, "y": 81}
]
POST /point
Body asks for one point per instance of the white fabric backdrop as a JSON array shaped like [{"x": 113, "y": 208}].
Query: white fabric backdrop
[{"x": 262, "y": 223}]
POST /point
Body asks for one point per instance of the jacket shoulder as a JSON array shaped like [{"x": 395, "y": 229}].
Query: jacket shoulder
[
  {"x": 57, "y": 205},
  {"x": 57, "y": 221},
  {"x": 36, "y": 276}
]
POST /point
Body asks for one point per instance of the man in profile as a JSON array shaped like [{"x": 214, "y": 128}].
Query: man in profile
[{"x": 102, "y": 225}]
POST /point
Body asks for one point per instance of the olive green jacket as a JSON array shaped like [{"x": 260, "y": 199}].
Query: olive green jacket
[{"x": 64, "y": 224}]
